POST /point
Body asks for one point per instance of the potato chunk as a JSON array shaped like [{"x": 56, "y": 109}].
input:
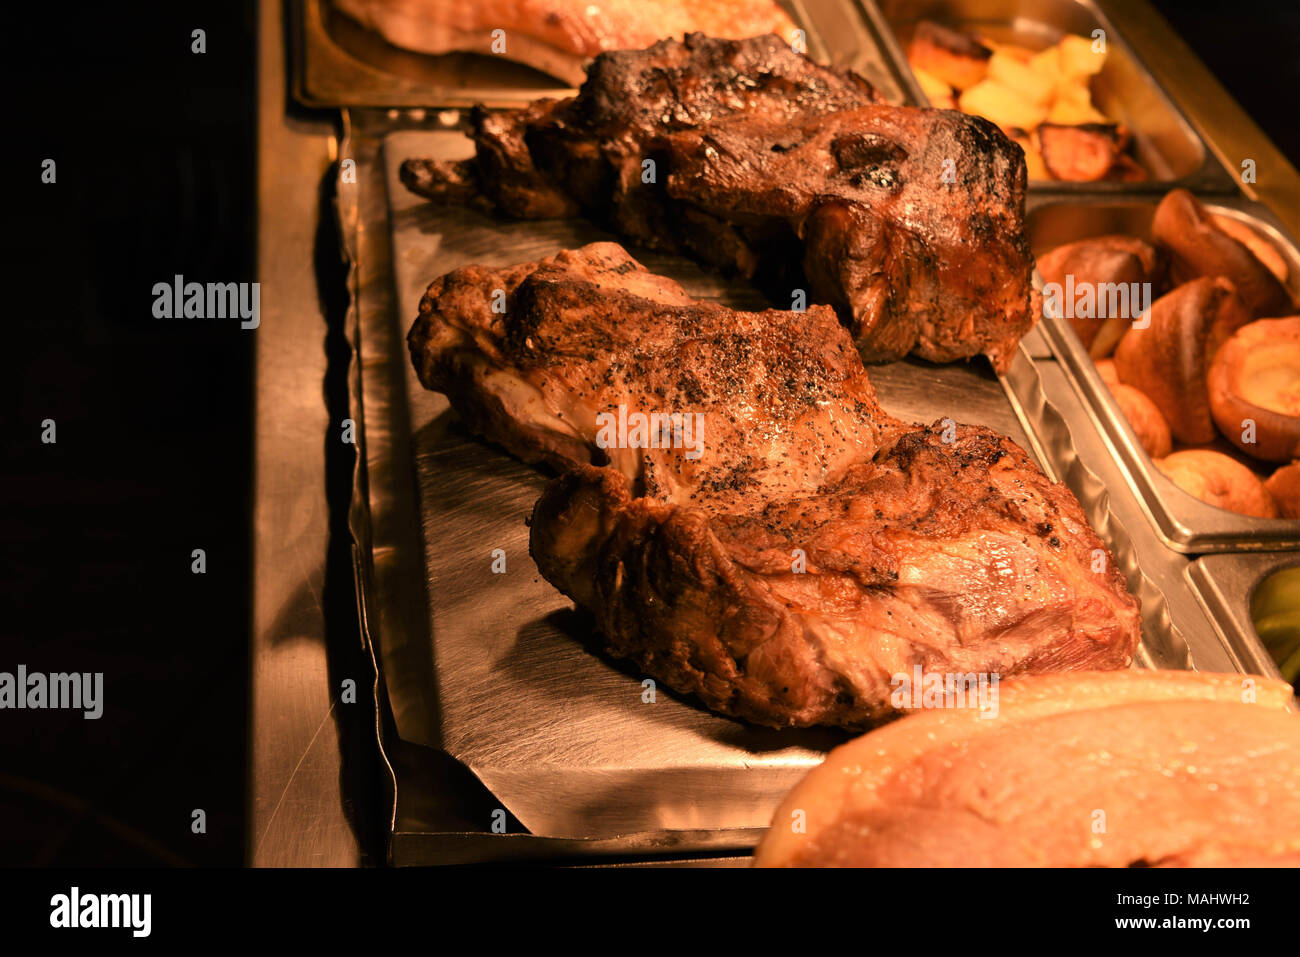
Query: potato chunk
[
  {"x": 948, "y": 55},
  {"x": 1033, "y": 85},
  {"x": 1078, "y": 58},
  {"x": 1002, "y": 105},
  {"x": 1079, "y": 154},
  {"x": 933, "y": 87}
]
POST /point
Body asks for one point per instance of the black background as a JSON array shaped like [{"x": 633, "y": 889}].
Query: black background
[
  {"x": 155, "y": 149},
  {"x": 155, "y": 152}
]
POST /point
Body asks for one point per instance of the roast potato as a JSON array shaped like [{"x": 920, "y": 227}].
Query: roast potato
[
  {"x": 1002, "y": 105},
  {"x": 1020, "y": 89},
  {"x": 930, "y": 84},
  {"x": 1080, "y": 154},
  {"x": 1073, "y": 103},
  {"x": 1033, "y": 85},
  {"x": 950, "y": 55},
  {"x": 1033, "y": 157},
  {"x": 1078, "y": 58},
  {"x": 1014, "y": 50},
  {"x": 1127, "y": 170}
]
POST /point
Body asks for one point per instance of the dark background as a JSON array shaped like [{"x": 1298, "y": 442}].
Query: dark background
[
  {"x": 155, "y": 153},
  {"x": 1254, "y": 50}
]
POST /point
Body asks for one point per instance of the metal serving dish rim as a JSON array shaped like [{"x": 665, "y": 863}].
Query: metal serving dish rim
[{"x": 1184, "y": 523}]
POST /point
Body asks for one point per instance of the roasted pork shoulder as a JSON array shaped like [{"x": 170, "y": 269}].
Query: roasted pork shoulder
[
  {"x": 1122, "y": 769},
  {"x": 754, "y": 159},
  {"x": 590, "y": 330},
  {"x": 771, "y": 541}
]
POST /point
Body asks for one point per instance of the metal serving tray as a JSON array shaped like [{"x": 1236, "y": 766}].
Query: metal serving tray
[
  {"x": 1225, "y": 586},
  {"x": 493, "y": 704},
  {"x": 559, "y": 734},
  {"x": 1164, "y": 142},
  {"x": 341, "y": 63},
  {"x": 1183, "y": 522}
]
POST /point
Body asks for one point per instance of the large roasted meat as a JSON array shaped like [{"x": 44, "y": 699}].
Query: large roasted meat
[
  {"x": 782, "y": 548},
  {"x": 752, "y": 158},
  {"x": 1124, "y": 769}
]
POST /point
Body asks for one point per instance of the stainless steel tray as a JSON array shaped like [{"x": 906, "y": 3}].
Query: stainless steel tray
[
  {"x": 440, "y": 811},
  {"x": 1225, "y": 585},
  {"x": 492, "y": 703},
  {"x": 558, "y": 733},
  {"x": 1164, "y": 141},
  {"x": 1183, "y": 522},
  {"x": 340, "y": 63}
]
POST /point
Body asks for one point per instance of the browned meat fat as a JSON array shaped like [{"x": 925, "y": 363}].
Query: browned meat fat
[{"x": 1126, "y": 769}]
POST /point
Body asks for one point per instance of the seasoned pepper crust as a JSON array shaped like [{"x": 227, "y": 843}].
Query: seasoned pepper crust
[
  {"x": 815, "y": 548},
  {"x": 783, "y": 396},
  {"x": 754, "y": 159}
]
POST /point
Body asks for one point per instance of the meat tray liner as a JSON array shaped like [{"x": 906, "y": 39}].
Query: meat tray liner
[{"x": 498, "y": 670}]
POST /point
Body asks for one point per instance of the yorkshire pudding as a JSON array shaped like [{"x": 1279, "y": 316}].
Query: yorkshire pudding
[
  {"x": 1198, "y": 247},
  {"x": 1219, "y": 480},
  {"x": 1098, "y": 261},
  {"x": 1254, "y": 384},
  {"x": 1169, "y": 359},
  {"x": 1264, "y": 250},
  {"x": 1284, "y": 486},
  {"x": 1148, "y": 424}
]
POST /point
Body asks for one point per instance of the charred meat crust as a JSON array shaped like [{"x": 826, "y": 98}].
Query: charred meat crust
[
  {"x": 752, "y": 158},
  {"x": 709, "y": 605},
  {"x": 941, "y": 546}
]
